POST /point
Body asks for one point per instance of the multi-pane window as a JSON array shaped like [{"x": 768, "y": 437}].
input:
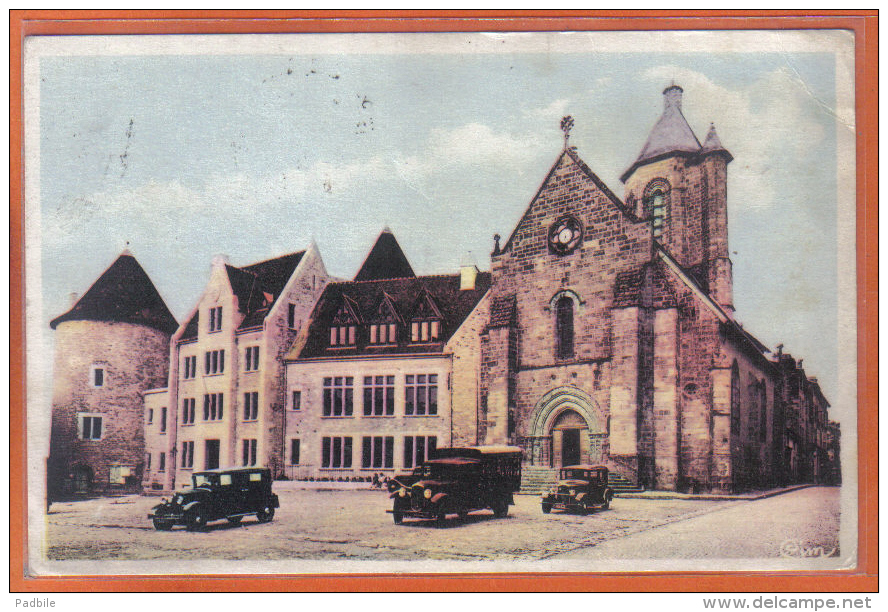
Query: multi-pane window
[
  {"x": 338, "y": 396},
  {"x": 377, "y": 452},
  {"x": 658, "y": 212},
  {"x": 248, "y": 456},
  {"x": 564, "y": 327},
  {"x": 251, "y": 358},
  {"x": 336, "y": 452},
  {"x": 294, "y": 451},
  {"x": 163, "y": 419},
  {"x": 384, "y": 333},
  {"x": 189, "y": 368},
  {"x": 251, "y": 405},
  {"x": 213, "y": 407},
  {"x": 97, "y": 376},
  {"x": 418, "y": 449},
  {"x": 188, "y": 410},
  {"x": 215, "y": 318},
  {"x": 379, "y": 395},
  {"x": 296, "y": 400},
  {"x": 150, "y": 417},
  {"x": 425, "y": 331},
  {"x": 90, "y": 428},
  {"x": 291, "y": 316},
  {"x": 343, "y": 335},
  {"x": 214, "y": 362},
  {"x": 187, "y": 454},
  {"x": 162, "y": 462},
  {"x": 421, "y": 394}
]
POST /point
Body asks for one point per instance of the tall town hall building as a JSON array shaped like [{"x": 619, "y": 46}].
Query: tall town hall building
[{"x": 603, "y": 333}]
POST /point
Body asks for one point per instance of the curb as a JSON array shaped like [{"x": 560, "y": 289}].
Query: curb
[{"x": 715, "y": 496}]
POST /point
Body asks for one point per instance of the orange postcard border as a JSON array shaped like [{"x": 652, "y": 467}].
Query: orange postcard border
[{"x": 864, "y": 24}]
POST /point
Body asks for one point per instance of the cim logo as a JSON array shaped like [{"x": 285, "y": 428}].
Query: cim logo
[{"x": 797, "y": 549}]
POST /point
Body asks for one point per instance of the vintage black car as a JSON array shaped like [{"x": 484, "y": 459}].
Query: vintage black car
[
  {"x": 218, "y": 494},
  {"x": 580, "y": 488},
  {"x": 458, "y": 481}
]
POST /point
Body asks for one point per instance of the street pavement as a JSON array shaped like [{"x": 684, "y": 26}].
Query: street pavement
[{"x": 354, "y": 525}]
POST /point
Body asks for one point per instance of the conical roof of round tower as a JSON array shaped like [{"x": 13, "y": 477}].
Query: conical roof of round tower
[
  {"x": 671, "y": 134},
  {"x": 125, "y": 294},
  {"x": 713, "y": 144}
]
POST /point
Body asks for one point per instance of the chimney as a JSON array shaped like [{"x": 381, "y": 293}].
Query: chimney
[
  {"x": 672, "y": 97},
  {"x": 467, "y": 276},
  {"x": 220, "y": 261},
  {"x": 74, "y": 297}
]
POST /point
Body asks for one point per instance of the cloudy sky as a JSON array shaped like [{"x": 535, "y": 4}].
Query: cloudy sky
[{"x": 195, "y": 146}]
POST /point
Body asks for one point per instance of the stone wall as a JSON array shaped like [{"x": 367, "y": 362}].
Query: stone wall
[{"x": 133, "y": 358}]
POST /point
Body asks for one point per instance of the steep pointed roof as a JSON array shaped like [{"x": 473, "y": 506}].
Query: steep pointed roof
[
  {"x": 123, "y": 294},
  {"x": 713, "y": 144},
  {"x": 385, "y": 260},
  {"x": 671, "y": 133}
]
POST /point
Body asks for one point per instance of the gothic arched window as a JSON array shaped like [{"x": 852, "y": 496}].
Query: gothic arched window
[
  {"x": 735, "y": 400},
  {"x": 655, "y": 204},
  {"x": 564, "y": 327}
]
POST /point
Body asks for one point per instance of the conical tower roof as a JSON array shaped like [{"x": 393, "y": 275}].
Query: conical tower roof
[
  {"x": 713, "y": 144},
  {"x": 123, "y": 294},
  {"x": 385, "y": 260},
  {"x": 671, "y": 134}
]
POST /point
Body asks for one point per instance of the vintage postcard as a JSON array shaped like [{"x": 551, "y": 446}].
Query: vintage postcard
[{"x": 441, "y": 302}]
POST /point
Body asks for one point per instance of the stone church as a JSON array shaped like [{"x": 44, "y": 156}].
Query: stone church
[{"x": 611, "y": 336}]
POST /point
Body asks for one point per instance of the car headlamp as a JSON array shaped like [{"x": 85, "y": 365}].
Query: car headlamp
[
  {"x": 573, "y": 492},
  {"x": 427, "y": 494},
  {"x": 402, "y": 492}
]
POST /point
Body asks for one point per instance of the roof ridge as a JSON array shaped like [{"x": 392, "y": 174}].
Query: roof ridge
[{"x": 303, "y": 251}]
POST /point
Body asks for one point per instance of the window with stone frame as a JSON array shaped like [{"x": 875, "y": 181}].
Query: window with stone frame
[
  {"x": 187, "y": 459},
  {"x": 385, "y": 322},
  {"x": 344, "y": 326},
  {"x": 251, "y": 405},
  {"x": 214, "y": 362},
  {"x": 163, "y": 419},
  {"x": 379, "y": 396},
  {"x": 294, "y": 451},
  {"x": 338, "y": 396},
  {"x": 418, "y": 449},
  {"x": 161, "y": 463},
  {"x": 378, "y": 452},
  {"x": 188, "y": 408},
  {"x": 564, "y": 327},
  {"x": 215, "y": 319},
  {"x": 90, "y": 427},
  {"x": 752, "y": 421},
  {"x": 251, "y": 358},
  {"x": 189, "y": 367},
  {"x": 421, "y": 394},
  {"x": 425, "y": 319},
  {"x": 248, "y": 456},
  {"x": 213, "y": 407},
  {"x": 97, "y": 376},
  {"x": 336, "y": 452},
  {"x": 656, "y": 195}
]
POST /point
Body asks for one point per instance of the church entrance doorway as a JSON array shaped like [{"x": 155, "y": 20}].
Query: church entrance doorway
[{"x": 570, "y": 439}]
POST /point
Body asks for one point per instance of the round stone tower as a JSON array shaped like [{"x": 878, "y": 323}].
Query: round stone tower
[{"x": 110, "y": 348}]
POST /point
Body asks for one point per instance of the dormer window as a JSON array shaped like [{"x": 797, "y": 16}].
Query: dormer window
[
  {"x": 384, "y": 328},
  {"x": 425, "y": 331},
  {"x": 425, "y": 324},
  {"x": 344, "y": 327}
]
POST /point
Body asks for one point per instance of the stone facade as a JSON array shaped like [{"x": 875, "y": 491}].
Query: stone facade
[{"x": 227, "y": 408}]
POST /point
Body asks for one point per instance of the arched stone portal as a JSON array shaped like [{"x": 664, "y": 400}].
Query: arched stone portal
[{"x": 567, "y": 428}]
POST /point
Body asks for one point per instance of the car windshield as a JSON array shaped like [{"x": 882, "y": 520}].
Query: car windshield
[
  {"x": 576, "y": 474},
  {"x": 205, "y": 480},
  {"x": 445, "y": 471}
]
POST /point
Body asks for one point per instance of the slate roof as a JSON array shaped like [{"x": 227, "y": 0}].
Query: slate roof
[
  {"x": 406, "y": 295},
  {"x": 672, "y": 134},
  {"x": 385, "y": 260},
  {"x": 713, "y": 144},
  {"x": 124, "y": 294},
  {"x": 252, "y": 285}
]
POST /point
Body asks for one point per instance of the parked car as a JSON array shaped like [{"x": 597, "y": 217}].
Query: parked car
[
  {"x": 580, "y": 488},
  {"x": 218, "y": 494},
  {"x": 458, "y": 481}
]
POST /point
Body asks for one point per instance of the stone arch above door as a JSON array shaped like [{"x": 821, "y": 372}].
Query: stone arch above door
[{"x": 559, "y": 400}]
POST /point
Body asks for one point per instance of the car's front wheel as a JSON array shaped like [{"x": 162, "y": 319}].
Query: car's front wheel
[
  {"x": 265, "y": 515},
  {"x": 500, "y": 508},
  {"x": 547, "y": 508},
  {"x": 607, "y": 502},
  {"x": 197, "y": 520}
]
